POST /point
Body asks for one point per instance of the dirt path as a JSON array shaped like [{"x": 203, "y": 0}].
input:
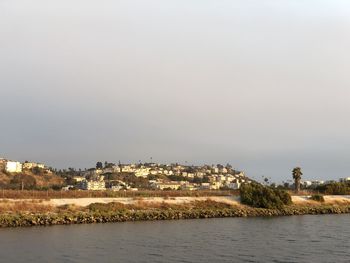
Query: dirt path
[
  {"x": 328, "y": 199},
  {"x": 233, "y": 200}
]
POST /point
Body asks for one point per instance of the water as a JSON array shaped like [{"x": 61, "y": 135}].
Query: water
[{"x": 324, "y": 238}]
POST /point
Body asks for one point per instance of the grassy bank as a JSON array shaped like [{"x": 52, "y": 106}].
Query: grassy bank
[{"x": 33, "y": 214}]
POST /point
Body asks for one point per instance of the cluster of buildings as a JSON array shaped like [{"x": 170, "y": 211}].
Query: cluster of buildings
[
  {"x": 163, "y": 177},
  {"x": 213, "y": 182},
  {"x": 99, "y": 183},
  {"x": 10, "y": 166}
]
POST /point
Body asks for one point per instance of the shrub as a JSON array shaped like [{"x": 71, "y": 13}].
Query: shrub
[
  {"x": 101, "y": 207},
  {"x": 257, "y": 195},
  {"x": 334, "y": 188},
  {"x": 317, "y": 197}
]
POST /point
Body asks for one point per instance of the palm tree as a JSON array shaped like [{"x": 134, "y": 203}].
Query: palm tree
[{"x": 297, "y": 177}]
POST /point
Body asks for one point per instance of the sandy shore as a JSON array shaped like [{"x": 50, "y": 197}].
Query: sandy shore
[
  {"x": 233, "y": 200},
  {"x": 330, "y": 199}
]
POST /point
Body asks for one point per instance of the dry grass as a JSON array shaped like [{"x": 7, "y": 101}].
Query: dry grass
[
  {"x": 141, "y": 205},
  {"x": 337, "y": 202},
  {"x": 302, "y": 192},
  {"x": 51, "y": 194},
  {"x": 35, "y": 206}
]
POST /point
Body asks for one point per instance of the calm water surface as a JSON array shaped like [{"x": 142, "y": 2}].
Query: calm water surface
[{"x": 324, "y": 238}]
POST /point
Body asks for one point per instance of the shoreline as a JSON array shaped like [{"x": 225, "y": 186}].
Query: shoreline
[
  {"x": 124, "y": 215},
  {"x": 228, "y": 199}
]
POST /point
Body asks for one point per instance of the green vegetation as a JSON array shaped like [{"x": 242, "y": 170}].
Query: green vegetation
[
  {"x": 257, "y": 195},
  {"x": 335, "y": 188},
  {"x": 317, "y": 197}
]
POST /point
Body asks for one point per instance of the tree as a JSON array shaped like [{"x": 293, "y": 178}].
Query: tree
[
  {"x": 297, "y": 177},
  {"x": 99, "y": 165},
  {"x": 22, "y": 181}
]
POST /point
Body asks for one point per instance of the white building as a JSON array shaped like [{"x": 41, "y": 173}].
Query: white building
[
  {"x": 223, "y": 170},
  {"x": 234, "y": 186},
  {"x": 117, "y": 187},
  {"x": 13, "y": 167},
  {"x": 78, "y": 179},
  {"x": 306, "y": 183},
  {"x": 142, "y": 172},
  {"x": 167, "y": 185},
  {"x": 205, "y": 186},
  {"x": 128, "y": 168},
  {"x": 31, "y": 165},
  {"x": 215, "y": 170},
  {"x": 93, "y": 185}
]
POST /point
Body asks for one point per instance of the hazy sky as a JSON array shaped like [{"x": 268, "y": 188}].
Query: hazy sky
[{"x": 261, "y": 84}]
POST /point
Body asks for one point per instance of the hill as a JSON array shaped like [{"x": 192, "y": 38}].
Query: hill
[{"x": 30, "y": 180}]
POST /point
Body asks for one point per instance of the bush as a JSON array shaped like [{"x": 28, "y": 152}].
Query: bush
[
  {"x": 101, "y": 207},
  {"x": 317, "y": 197},
  {"x": 257, "y": 195},
  {"x": 334, "y": 188}
]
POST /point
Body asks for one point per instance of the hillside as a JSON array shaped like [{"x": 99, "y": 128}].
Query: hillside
[{"x": 29, "y": 180}]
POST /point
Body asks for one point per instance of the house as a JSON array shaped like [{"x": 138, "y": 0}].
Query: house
[
  {"x": 92, "y": 172},
  {"x": 142, "y": 172},
  {"x": 190, "y": 175},
  {"x": 223, "y": 170},
  {"x": 30, "y": 165},
  {"x": 317, "y": 182},
  {"x": 215, "y": 185},
  {"x": 116, "y": 187},
  {"x": 67, "y": 188},
  {"x": 240, "y": 174},
  {"x": 128, "y": 168},
  {"x": 205, "y": 186},
  {"x": 215, "y": 170},
  {"x": 234, "y": 186},
  {"x": 220, "y": 178},
  {"x": 189, "y": 187},
  {"x": 13, "y": 167},
  {"x": 93, "y": 185},
  {"x": 116, "y": 168},
  {"x": 168, "y": 172},
  {"x": 200, "y": 174},
  {"x": 108, "y": 170},
  {"x": 167, "y": 185},
  {"x": 78, "y": 179},
  {"x": 306, "y": 183}
]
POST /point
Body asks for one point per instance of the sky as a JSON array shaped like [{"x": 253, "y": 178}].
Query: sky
[{"x": 261, "y": 84}]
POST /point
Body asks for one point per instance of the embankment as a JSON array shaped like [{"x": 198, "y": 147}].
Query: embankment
[{"x": 117, "y": 212}]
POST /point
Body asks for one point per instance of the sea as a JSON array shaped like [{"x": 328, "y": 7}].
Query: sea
[{"x": 309, "y": 238}]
